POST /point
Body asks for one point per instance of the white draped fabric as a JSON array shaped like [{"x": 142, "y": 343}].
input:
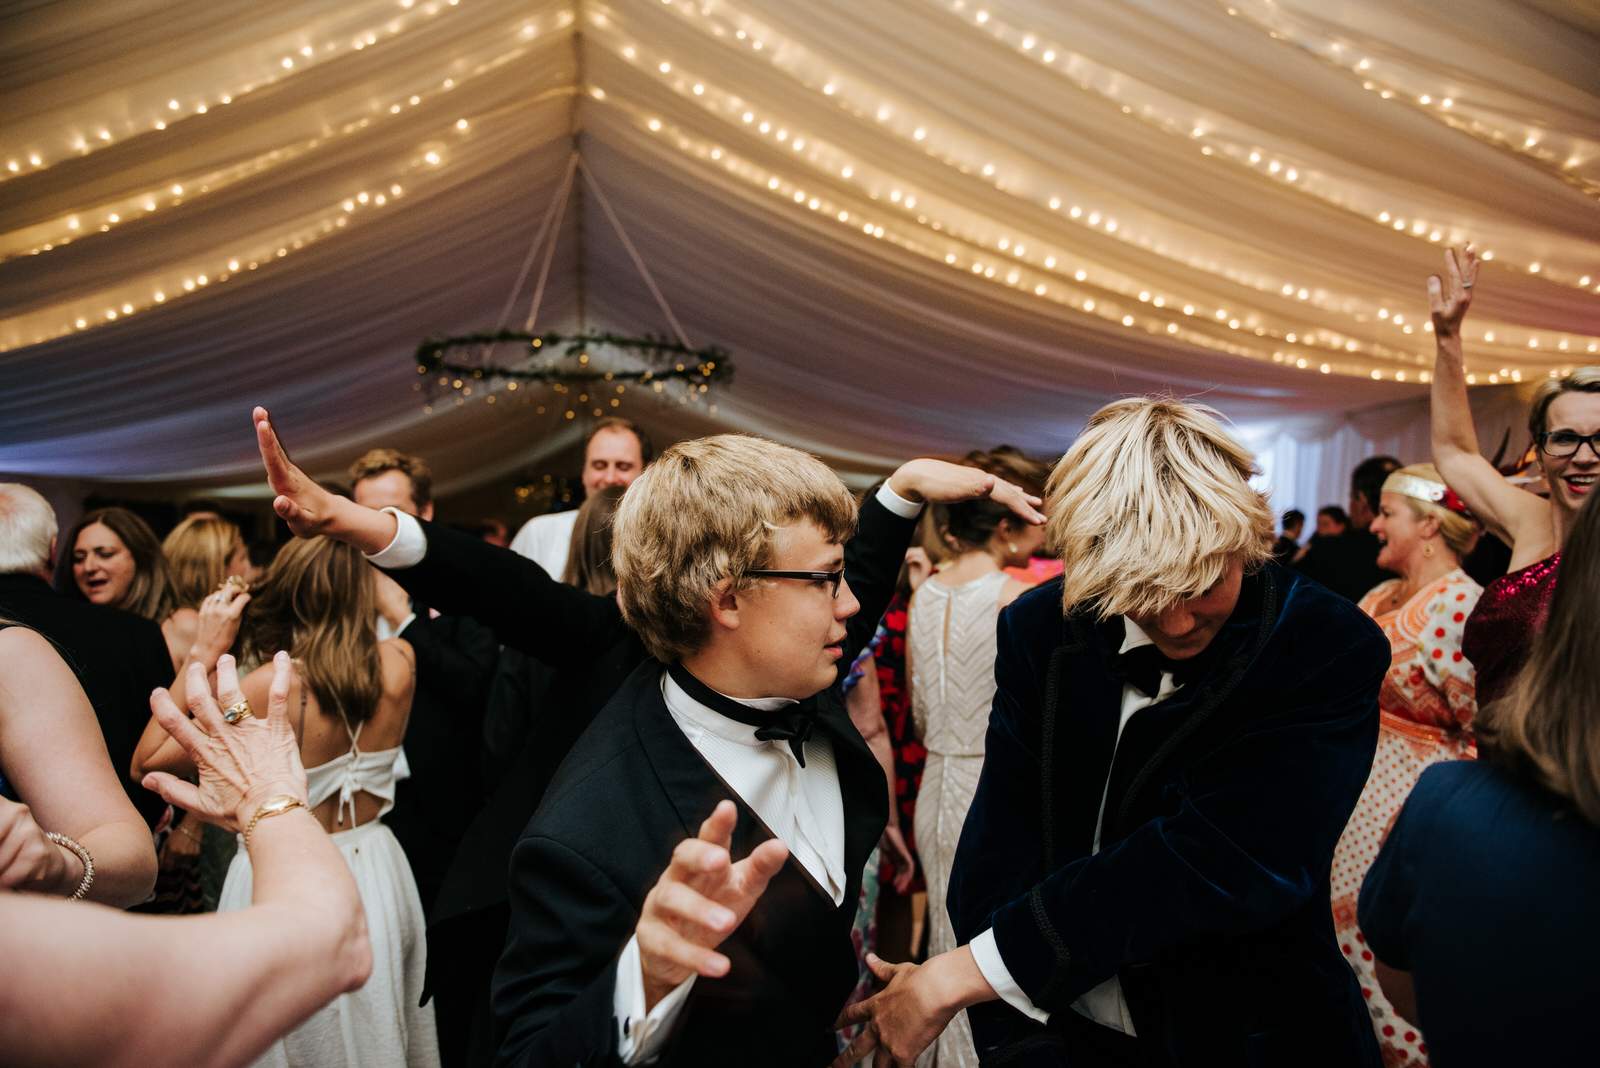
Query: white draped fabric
[{"x": 919, "y": 225}]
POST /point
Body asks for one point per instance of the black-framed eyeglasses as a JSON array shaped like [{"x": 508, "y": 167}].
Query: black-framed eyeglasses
[
  {"x": 833, "y": 578},
  {"x": 1567, "y": 443}
]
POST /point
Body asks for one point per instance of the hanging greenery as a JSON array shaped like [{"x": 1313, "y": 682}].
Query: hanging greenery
[{"x": 566, "y": 359}]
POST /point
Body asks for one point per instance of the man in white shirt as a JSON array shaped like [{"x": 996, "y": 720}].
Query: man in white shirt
[
  {"x": 615, "y": 453},
  {"x": 654, "y": 916}
]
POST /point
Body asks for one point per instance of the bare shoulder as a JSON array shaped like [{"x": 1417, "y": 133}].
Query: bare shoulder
[
  {"x": 1013, "y": 589},
  {"x": 398, "y": 663},
  {"x": 182, "y": 623}
]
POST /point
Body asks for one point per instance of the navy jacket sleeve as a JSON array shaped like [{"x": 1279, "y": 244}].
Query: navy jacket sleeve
[
  {"x": 457, "y": 657},
  {"x": 511, "y": 595},
  {"x": 872, "y": 562},
  {"x": 1249, "y": 838}
]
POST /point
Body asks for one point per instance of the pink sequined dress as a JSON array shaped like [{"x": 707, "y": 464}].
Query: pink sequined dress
[
  {"x": 1425, "y": 704},
  {"x": 1500, "y": 631}
]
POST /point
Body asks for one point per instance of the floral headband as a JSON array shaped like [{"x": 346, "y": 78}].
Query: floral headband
[{"x": 1425, "y": 489}]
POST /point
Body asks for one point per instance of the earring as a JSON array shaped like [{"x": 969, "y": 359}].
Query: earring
[
  {"x": 1427, "y": 550},
  {"x": 1013, "y": 546}
]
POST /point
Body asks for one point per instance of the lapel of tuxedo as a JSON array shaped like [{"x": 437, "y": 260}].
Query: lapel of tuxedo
[
  {"x": 1083, "y": 704},
  {"x": 688, "y": 781},
  {"x": 862, "y": 789}
]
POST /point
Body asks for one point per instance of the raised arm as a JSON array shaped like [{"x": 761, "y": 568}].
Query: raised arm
[
  {"x": 253, "y": 974},
  {"x": 55, "y": 755},
  {"x": 1510, "y": 514},
  {"x": 311, "y": 510}
]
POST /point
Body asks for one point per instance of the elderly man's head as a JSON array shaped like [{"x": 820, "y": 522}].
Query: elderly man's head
[
  {"x": 27, "y": 531},
  {"x": 1153, "y": 517}
]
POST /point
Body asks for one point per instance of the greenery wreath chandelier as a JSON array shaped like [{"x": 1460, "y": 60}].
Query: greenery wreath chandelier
[{"x": 589, "y": 370}]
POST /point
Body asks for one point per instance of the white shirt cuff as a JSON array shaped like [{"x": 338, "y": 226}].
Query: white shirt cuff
[
  {"x": 987, "y": 956},
  {"x": 897, "y": 504},
  {"x": 642, "y": 1034},
  {"x": 407, "y": 549}
]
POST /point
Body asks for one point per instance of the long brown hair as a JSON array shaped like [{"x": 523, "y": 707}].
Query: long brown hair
[
  {"x": 197, "y": 557},
  {"x": 968, "y": 525},
  {"x": 319, "y": 601},
  {"x": 1547, "y": 728},
  {"x": 150, "y": 592},
  {"x": 589, "y": 553}
]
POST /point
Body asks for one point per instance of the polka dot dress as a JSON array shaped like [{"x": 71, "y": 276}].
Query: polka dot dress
[{"x": 1425, "y": 703}]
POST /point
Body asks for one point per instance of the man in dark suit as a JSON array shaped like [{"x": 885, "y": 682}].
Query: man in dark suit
[
  {"x": 1347, "y": 562},
  {"x": 654, "y": 918},
  {"x": 456, "y": 659},
  {"x": 118, "y": 657},
  {"x": 1180, "y": 733}
]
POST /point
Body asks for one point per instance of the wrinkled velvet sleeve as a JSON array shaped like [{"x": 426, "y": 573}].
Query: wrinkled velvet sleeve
[{"x": 1257, "y": 818}]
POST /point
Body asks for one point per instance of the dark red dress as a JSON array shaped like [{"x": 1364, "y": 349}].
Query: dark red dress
[{"x": 1499, "y": 633}]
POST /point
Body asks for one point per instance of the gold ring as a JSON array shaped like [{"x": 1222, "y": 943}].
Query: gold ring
[{"x": 238, "y": 712}]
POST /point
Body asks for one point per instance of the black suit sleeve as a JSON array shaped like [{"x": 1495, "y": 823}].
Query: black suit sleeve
[
  {"x": 457, "y": 658},
  {"x": 571, "y": 921},
  {"x": 511, "y": 595},
  {"x": 872, "y": 562}
]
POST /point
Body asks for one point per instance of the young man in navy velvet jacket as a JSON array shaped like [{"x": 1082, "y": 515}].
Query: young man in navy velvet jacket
[{"x": 1181, "y": 731}]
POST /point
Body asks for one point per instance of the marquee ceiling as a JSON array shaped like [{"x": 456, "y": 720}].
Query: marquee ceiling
[{"x": 919, "y": 225}]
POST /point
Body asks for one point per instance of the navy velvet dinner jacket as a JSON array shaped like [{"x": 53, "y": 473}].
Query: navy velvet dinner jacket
[{"x": 1209, "y": 896}]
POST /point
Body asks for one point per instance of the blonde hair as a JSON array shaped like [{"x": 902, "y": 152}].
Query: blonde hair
[
  {"x": 1547, "y": 729},
  {"x": 1455, "y": 528},
  {"x": 319, "y": 601},
  {"x": 1581, "y": 380},
  {"x": 706, "y": 511},
  {"x": 1149, "y": 506},
  {"x": 197, "y": 557}
]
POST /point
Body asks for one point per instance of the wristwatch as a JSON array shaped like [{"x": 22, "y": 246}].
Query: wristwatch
[{"x": 272, "y": 806}]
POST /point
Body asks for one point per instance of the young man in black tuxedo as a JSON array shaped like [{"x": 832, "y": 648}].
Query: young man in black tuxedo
[
  {"x": 684, "y": 894},
  {"x": 1180, "y": 732}
]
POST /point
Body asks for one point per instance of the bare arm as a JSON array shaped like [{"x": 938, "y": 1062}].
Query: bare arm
[
  {"x": 1509, "y": 513},
  {"x": 253, "y": 974},
  {"x": 865, "y": 705},
  {"x": 55, "y": 755}
]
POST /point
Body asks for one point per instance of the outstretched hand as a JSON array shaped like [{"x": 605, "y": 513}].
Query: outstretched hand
[
  {"x": 697, "y": 903},
  {"x": 300, "y": 502},
  {"x": 1450, "y": 297},
  {"x": 913, "y": 1009},
  {"x": 240, "y": 763},
  {"x": 938, "y": 482}
]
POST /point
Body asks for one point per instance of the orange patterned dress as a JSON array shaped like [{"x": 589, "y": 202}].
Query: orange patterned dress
[{"x": 1425, "y": 704}]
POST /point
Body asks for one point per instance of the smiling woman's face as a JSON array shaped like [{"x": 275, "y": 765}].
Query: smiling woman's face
[{"x": 102, "y": 566}]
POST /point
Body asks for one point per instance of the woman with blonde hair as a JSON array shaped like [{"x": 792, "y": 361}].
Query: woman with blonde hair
[
  {"x": 1564, "y": 421},
  {"x": 349, "y": 701},
  {"x": 1426, "y": 704},
  {"x": 1482, "y": 897},
  {"x": 950, "y": 647}
]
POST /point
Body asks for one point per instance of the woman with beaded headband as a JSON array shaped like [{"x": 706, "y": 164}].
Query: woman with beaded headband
[
  {"x": 1564, "y": 421},
  {"x": 1426, "y": 703}
]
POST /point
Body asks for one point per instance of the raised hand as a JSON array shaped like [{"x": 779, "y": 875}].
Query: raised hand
[
  {"x": 1450, "y": 297},
  {"x": 697, "y": 903},
  {"x": 241, "y": 763},
  {"x": 311, "y": 510},
  {"x": 939, "y": 482},
  {"x": 219, "y": 623}
]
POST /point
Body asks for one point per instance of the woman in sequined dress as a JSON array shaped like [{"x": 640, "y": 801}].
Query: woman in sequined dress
[
  {"x": 1564, "y": 420},
  {"x": 1425, "y": 704}
]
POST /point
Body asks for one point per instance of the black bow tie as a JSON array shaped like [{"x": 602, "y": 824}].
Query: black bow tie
[
  {"x": 792, "y": 723},
  {"x": 1141, "y": 668}
]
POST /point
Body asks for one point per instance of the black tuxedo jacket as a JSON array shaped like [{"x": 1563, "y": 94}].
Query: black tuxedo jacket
[
  {"x": 118, "y": 657},
  {"x": 632, "y": 788}
]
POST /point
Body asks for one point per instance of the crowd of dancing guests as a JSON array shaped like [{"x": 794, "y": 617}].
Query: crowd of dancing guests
[{"x": 996, "y": 762}]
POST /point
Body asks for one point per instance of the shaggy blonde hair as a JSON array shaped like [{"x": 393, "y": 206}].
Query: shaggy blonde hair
[
  {"x": 197, "y": 557},
  {"x": 1455, "y": 528},
  {"x": 1149, "y": 506},
  {"x": 709, "y": 510}
]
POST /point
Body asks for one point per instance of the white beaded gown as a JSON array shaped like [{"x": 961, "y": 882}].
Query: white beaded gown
[{"x": 951, "y": 636}]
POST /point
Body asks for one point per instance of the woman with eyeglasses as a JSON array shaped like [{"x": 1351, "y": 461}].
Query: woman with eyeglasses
[{"x": 1564, "y": 420}]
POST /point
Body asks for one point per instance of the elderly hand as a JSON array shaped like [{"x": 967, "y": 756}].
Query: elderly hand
[
  {"x": 698, "y": 901},
  {"x": 241, "y": 764},
  {"x": 938, "y": 482},
  {"x": 29, "y": 860},
  {"x": 1450, "y": 298}
]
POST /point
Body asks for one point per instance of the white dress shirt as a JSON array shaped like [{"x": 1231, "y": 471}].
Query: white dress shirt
[
  {"x": 1104, "y": 1004},
  {"x": 546, "y": 540}
]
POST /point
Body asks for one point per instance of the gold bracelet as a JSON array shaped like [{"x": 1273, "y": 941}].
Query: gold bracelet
[
  {"x": 83, "y": 855},
  {"x": 272, "y": 806}
]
